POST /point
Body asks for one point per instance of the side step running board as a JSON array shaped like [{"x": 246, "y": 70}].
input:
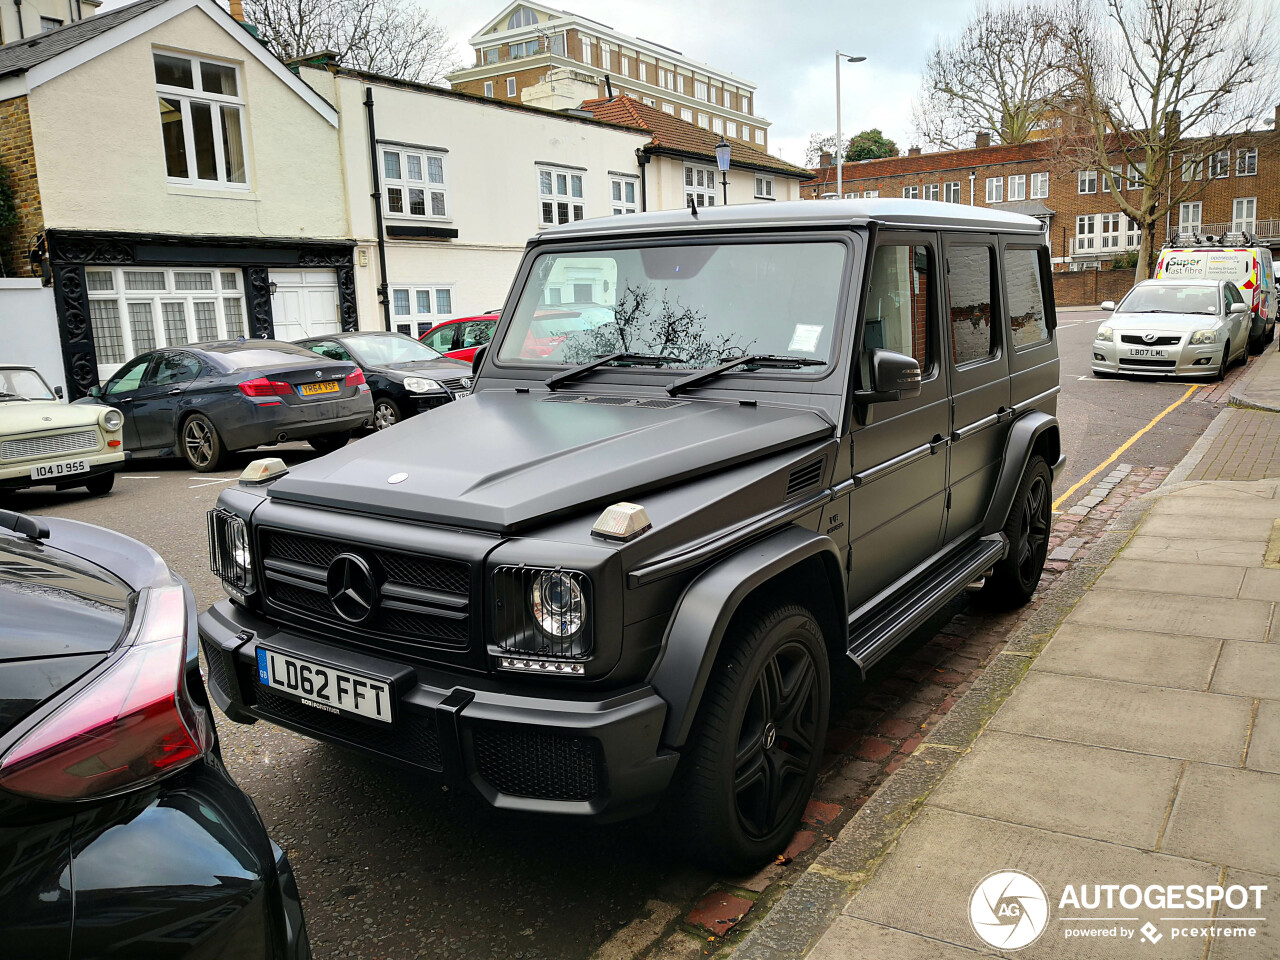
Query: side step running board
[{"x": 899, "y": 611}]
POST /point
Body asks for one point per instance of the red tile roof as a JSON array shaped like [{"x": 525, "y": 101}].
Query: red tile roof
[
  {"x": 673, "y": 135},
  {"x": 929, "y": 162}
]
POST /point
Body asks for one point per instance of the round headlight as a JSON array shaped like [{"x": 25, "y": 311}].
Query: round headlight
[
  {"x": 420, "y": 384},
  {"x": 113, "y": 420},
  {"x": 558, "y": 604}
]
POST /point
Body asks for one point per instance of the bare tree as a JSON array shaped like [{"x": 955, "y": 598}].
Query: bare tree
[
  {"x": 1159, "y": 84},
  {"x": 1001, "y": 75},
  {"x": 395, "y": 38}
]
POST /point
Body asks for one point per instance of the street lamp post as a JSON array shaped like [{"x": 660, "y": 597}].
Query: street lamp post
[
  {"x": 722, "y": 161},
  {"x": 839, "y": 138}
]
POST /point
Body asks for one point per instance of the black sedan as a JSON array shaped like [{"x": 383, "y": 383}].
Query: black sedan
[
  {"x": 121, "y": 832},
  {"x": 208, "y": 399},
  {"x": 405, "y": 376}
]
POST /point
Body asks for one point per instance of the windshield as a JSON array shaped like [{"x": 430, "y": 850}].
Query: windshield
[
  {"x": 694, "y": 303},
  {"x": 20, "y": 383},
  {"x": 1170, "y": 298},
  {"x": 389, "y": 348}
]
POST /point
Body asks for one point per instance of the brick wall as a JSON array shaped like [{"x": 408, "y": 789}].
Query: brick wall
[
  {"x": 17, "y": 156},
  {"x": 1084, "y": 288}
]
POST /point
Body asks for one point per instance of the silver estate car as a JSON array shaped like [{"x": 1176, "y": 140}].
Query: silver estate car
[{"x": 1175, "y": 328}]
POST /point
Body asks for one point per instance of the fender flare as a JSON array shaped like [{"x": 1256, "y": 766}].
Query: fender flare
[
  {"x": 701, "y": 617},
  {"x": 1024, "y": 433}
]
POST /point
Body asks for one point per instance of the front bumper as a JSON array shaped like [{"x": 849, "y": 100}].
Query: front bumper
[
  {"x": 18, "y": 476},
  {"x": 1179, "y": 360},
  {"x": 595, "y": 756}
]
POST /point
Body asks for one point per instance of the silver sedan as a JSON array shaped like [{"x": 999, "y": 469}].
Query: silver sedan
[{"x": 1174, "y": 328}]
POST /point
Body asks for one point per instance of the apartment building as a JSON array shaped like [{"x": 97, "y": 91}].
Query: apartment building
[
  {"x": 533, "y": 54},
  {"x": 1237, "y": 189},
  {"x": 30, "y": 18}
]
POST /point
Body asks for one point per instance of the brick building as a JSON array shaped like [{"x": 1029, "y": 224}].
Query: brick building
[
  {"x": 1240, "y": 190},
  {"x": 545, "y": 57}
]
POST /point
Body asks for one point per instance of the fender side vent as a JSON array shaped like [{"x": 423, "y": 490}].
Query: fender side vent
[
  {"x": 655, "y": 403},
  {"x": 801, "y": 478}
]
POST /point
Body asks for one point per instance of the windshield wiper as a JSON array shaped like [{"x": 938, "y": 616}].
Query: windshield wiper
[
  {"x": 13, "y": 396},
  {"x": 604, "y": 359},
  {"x": 750, "y": 360}
]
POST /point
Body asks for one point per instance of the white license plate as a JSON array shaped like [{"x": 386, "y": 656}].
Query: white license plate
[
  {"x": 1148, "y": 352},
  {"x": 49, "y": 471},
  {"x": 327, "y": 689},
  {"x": 459, "y": 394}
]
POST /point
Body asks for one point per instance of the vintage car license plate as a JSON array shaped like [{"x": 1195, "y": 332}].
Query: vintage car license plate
[
  {"x": 1148, "y": 352},
  {"x": 315, "y": 389},
  {"x": 66, "y": 468},
  {"x": 334, "y": 691}
]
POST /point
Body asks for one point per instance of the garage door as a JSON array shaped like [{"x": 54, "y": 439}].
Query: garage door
[{"x": 305, "y": 303}]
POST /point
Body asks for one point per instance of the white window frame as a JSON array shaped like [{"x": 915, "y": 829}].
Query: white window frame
[
  {"x": 746, "y": 104},
  {"x": 620, "y": 205},
  {"x": 1192, "y": 168},
  {"x": 870, "y": 193},
  {"x": 1109, "y": 230},
  {"x": 1086, "y": 233},
  {"x": 626, "y": 65},
  {"x": 931, "y": 191},
  {"x": 189, "y": 95},
  {"x": 1220, "y": 165},
  {"x": 704, "y": 121},
  {"x": 221, "y": 294},
  {"x": 649, "y": 102},
  {"x": 717, "y": 125},
  {"x": 575, "y": 206},
  {"x": 764, "y": 187},
  {"x": 586, "y": 51},
  {"x": 404, "y": 183},
  {"x": 1086, "y": 181},
  {"x": 759, "y": 136},
  {"x": 1018, "y": 187},
  {"x": 1132, "y": 234},
  {"x": 606, "y": 57},
  {"x": 1238, "y": 220},
  {"x": 686, "y": 114},
  {"x": 1186, "y": 223},
  {"x": 679, "y": 82},
  {"x": 700, "y": 90},
  {"x": 488, "y": 88},
  {"x": 511, "y": 86},
  {"x": 704, "y": 193},
  {"x": 669, "y": 109},
  {"x": 644, "y": 70},
  {"x": 1137, "y": 173},
  {"x": 1247, "y": 162},
  {"x": 731, "y": 128},
  {"x": 1039, "y": 186},
  {"x": 995, "y": 189},
  {"x": 911, "y": 193},
  {"x": 746, "y": 132},
  {"x": 951, "y": 192},
  {"x": 417, "y": 327}
]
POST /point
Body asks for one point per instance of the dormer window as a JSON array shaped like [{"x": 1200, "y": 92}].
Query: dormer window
[{"x": 201, "y": 121}]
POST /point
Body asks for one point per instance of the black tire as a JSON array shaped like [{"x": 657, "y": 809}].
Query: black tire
[
  {"x": 1014, "y": 579},
  {"x": 753, "y": 755},
  {"x": 1221, "y": 373},
  {"x": 1256, "y": 344},
  {"x": 200, "y": 444},
  {"x": 386, "y": 413},
  {"x": 329, "y": 442},
  {"x": 101, "y": 484}
]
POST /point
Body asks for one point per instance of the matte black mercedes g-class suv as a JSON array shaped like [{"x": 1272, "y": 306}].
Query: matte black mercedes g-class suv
[{"x": 709, "y": 457}]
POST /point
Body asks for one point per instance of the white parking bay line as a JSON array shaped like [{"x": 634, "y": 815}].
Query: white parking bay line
[
  {"x": 134, "y": 476},
  {"x": 210, "y": 483}
]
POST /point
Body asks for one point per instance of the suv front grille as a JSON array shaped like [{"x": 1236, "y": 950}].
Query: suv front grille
[
  {"x": 422, "y": 602},
  {"x": 45, "y": 446},
  {"x": 545, "y": 766}
]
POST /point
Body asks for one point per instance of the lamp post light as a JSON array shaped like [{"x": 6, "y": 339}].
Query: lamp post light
[
  {"x": 839, "y": 137},
  {"x": 722, "y": 161}
]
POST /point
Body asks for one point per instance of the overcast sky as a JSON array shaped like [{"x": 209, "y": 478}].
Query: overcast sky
[{"x": 787, "y": 50}]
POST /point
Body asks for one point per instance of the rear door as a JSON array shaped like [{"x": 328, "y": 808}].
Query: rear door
[
  {"x": 1030, "y": 322},
  {"x": 979, "y": 367}
]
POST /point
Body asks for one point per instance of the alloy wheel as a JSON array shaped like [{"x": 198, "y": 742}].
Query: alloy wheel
[
  {"x": 198, "y": 440},
  {"x": 777, "y": 740},
  {"x": 1033, "y": 530},
  {"x": 384, "y": 415}
]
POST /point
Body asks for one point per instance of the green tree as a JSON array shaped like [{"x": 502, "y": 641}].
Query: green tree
[
  {"x": 8, "y": 221},
  {"x": 870, "y": 145}
]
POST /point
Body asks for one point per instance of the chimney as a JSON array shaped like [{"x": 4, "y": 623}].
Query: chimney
[
  {"x": 237, "y": 10},
  {"x": 913, "y": 151},
  {"x": 982, "y": 139},
  {"x": 824, "y": 159}
]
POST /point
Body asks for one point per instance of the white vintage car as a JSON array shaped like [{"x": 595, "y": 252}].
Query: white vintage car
[{"x": 44, "y": 441}]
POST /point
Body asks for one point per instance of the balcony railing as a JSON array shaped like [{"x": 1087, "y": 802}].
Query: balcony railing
[
  {"x": 1092, "y": 246},
  {"x": 1264, "y": 230}
]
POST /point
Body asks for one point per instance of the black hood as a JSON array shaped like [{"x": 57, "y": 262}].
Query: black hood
[
  {"x": 444, "y": 367},
  {"x": 501, "y": 461}
]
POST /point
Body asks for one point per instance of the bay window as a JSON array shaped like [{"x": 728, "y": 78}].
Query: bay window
[{"x": 201, "y": 121}]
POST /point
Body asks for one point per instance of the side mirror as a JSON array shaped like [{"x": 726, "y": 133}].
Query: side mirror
[
  {"x": 477, "y": 358},
  {"x": 894, "y": 376},
  {"x": 95, "y": 391},
  {"x": 1108, "y": 305},
  {"x": 57, "y": 392},
  {"x": 1239, "y": 308}
]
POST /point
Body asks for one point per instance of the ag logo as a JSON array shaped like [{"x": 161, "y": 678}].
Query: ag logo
[{"x": 1008, "y": 909}]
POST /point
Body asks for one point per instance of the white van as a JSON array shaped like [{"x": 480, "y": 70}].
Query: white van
[{"x": 1251, "y": 269}]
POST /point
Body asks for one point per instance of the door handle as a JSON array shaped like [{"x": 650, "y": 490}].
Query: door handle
[
  {"x": 1003, "y": 414},
  {"x": 175, "y": 391},
  {"x": 938, "y": 442}
]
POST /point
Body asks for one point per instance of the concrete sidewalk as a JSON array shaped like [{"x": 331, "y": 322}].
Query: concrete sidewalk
[{"x": 1139, "y": 745}]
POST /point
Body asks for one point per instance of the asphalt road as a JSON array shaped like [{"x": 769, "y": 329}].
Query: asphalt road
[{"x": 392, "y": 866}]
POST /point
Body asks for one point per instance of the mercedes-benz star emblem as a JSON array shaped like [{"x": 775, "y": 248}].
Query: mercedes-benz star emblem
[
  {"x": 352, "y": 589},
  {"x": 1149, "y": 338}
]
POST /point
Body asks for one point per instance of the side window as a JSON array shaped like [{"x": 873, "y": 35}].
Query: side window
[
  {"x": 174, "y": 368},
  {"x": 969, "y": 285},
  {"x": 129, "y": 377},
  {"x": 898, "y": 304},
  {"x": 331, "y": 350},
  {"x": 1024, "y": 288},
  {"x": 442, "y": 340}
]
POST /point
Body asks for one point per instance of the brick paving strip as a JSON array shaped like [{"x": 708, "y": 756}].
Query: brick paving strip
[{"x": 1140, "y": 744}]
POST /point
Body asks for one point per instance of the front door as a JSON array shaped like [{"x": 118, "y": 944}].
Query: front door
[
  {"x": 157, "y": 399},
  {"x": 119, "y": 392},
  {"x": 899, "y": 456},
  {"x": 979, "y": 365},
  {"x": 305, "y": 304}
]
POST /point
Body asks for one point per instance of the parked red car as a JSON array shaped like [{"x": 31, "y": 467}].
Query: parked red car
[{"x": 462, "y": 337}]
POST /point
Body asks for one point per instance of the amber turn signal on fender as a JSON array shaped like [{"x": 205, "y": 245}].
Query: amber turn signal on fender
[
  {"x": 622, "y": 521},
  {"x": 260, "y": 471}
]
